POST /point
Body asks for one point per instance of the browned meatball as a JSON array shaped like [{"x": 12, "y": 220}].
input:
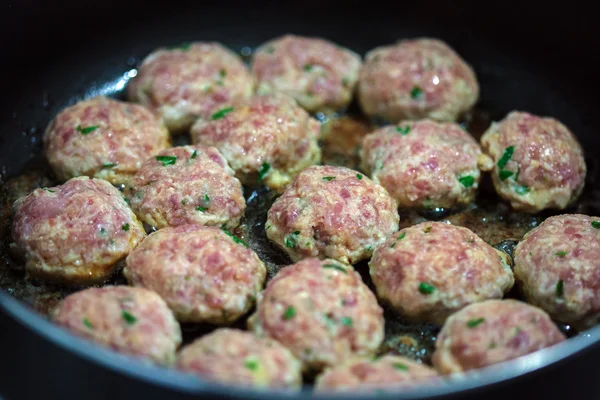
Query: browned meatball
[
  {"x": 269, "y": 139},
  {"x": 490, "y": 332},
  {"x": 130, "y": 320},
  {"x": 321, "y": 311},
  {"x": 75, "y": 233},
  {"x": 187, "y": 185},
  {"x": 103, "y": 138},
  {"x": 557, "y": 265},
  {"x": 430, "y": 270},
  {"x": 241, "y": 358},
  {"x": 332, "y": 212},
  {"x": 539, "y": 163},
  {"x": 414, "y": 79}
]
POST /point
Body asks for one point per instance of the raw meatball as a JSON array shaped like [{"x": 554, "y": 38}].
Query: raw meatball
[
  {"x": 425, "y": 163},
  {"x": 201, "y": 272},
  {"x": 75, "y": 233},
  {"x": 388, "y": 372},
  {"x": 195, "y": 80},
  {"x": 558, "y": 268},
  {"x": 322, "y": 311},
  {"x": 332, "y": 212},
  {"x": 103, "y": 138},
  {"x": 319, "y": 74},
  {"x": 431, "y": 270},
  {"x": 130, "y": 320},
  {"x": 187, "y": 185},
  {"x": 539, "y": 163},
  {"x": 414, "y": 79},
  {"x": 241, "y": 358},
  {"x": 270, "y": 139},
  {"x": 490, "y": 332}
]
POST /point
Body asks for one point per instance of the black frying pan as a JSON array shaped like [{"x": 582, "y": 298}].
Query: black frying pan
[{"x": 530, "y": 56}]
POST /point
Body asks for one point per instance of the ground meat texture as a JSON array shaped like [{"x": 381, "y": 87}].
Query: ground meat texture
[
  {"x": 332, "y": 212},
  {"x": 103, "y": 138},
  {"x": 268, "y": 140},
  {"x": 201, "y": 272},
  {"x": 321, "y": 311},
  {"x": 425, "y": 163},
  {"x": 431, "y": 270},
  {"x": 490, "y": 332},
  {"x": 75, "y": 233},
  {"x": 539, "y": 163},
  {"x": 557, "y": 266},
  {"x": 241, "y": 358},
  {"x": 195, "y": 80},
  {"x": 133, "y": 321},
  {"x": 319, "y": 74},
  {"x": 388, "y": 372},
  {"x": 187, "y": 185},
  {"x": 414, "y": 79}
]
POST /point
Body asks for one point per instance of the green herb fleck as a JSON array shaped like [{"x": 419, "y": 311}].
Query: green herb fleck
[
  {"x": 200, "y": 208},
  {"x": 222, "y": 73},
  {"x": 289, "y": 313},
  {"x": 264, "y": 170},
  {"x": 235, "y": 238},
  {"x": 427, "y": 230},
  {"x": 472, "y": 323},
  {"x": 183, "y": 202},
  {"x": 308, "y": 67},
  {"x": 508, "y": 153},
  {"x": 560, "y": 288},
  {"x": 596, "y": 224},
  {"x": 290, "y": 240},
  {"x": 345, "y": 81},
  {"x": 400, "y": 366},
  {"x": 521, "y": 190},
  {"x": 125, "y": 227},
  {"x": 401, "y": 236},
  {"x": 194, "y": 155},
  {"x": 251, "y": 364},
  {"x": 467, "y": 180},
  {"x": 166, "y": 160},
  {"x": 335, "y": 266},
  {"x": 221, "y": 113},
  {"x": 393, "y": 245},
  {"x": 128, "y": 317},
  {"x": 403, "y": 130},
  {"x": 87, "y": 323},
  {"x": 504, "y": 174},
  {"x": 560, "y": 253},
  {"x": 127, "y": 200},
  {"x": 54, "y": 191},
  {"x": 416, "y": 92},
  {"x": 206, "y": 198},
  {"x": 185, "y": 46},
  {"x": 359, "y": 176},
  {"x": 268, "y": 227},
  {"x": 328, "y": 178},
  {"x": 109, "y": 165},
  {"x": 346, "y": 321},
  {"x": 102, "y": 232},
  {"x": 87, "y": 129},
  {"x": 426, "y": 288}
]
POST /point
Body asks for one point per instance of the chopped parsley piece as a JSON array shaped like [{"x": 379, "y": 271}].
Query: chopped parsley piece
[
  {"x": 109, "y": 165},
  {"x": 508, "y": 153},
  {"x": 185, "y": 46},
  {"x": 222, "y": 73},
  {"x": 206, "y": 198},
  {"x": 125, "y": 227},
  {"x": 345, "y": 81},
  {"x": 289, "y": 313},
  {"x": 426, "y": 288},
  {"x": 290, "y": 240},
  {"x": 416, "y": 92},
  {"x": 308, "y": 67},
  {"x": 504, "y": 174},
  {"x": 560, "y": 253},
  {"x": 128, "y": 317},
  {"x": 346, "y": 321},
  {"x": 194, "y": 155},
  {"x": 251, "y": 364},
  {"x": 596, "y": 224},
  {"x": 472, "y": 323},
  {"x": 401, "y": 236},
  {"x": 427, "y": 230},
  {"x": 183, "y": 202},
  {"x": 268, "y": 227},
  {"x": 54, "y": 191},
  {"x": 127, "y": 200},
  {"x": 221, "y": 113},
  {"x": 403, "y": 130},
  {"x": 521, "y": 190},
  {"x": 328, "y": 178},
  {"x": 358, "y": 176},
  {"x": 467, "y": 180},
  {"x": 335, "y": 266},
  {"x": 102, "y": 232},
  {"x": 84, "y": 130},
  {"x": 393, "y": 245},
  {"x": 560, "y": 288},
  {"x": 264, "y": 170},
  {"x": 87, "y": 323},
  {"x": 235, "y": 238},
  {"x": 200, "y": 208},
  {"x": 166, "y": 160},
  {"x": 400, "y": 366}
]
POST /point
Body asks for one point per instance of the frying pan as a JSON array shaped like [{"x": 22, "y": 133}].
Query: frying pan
[{"x": 528, "y": 55}]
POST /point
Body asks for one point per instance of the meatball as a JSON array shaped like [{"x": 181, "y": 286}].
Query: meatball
[
  {"x": 75, "y": 233},
  {"x": 195, "y": 80},
  {"x": 557, "y": 265},
  {"x": 331, "y": 212},
  {"x": 388, "y": 372},
  {"x": 187, "y": 185},
  {"x": 270, "y": 140},
  {"x": 322, "y": 311},
  {"x": 428, "y": 271},
  {"x": 201, "y": 272},
  {"x": 103, "y": 138},
  {"x": 425, "y": 163},
  {"x": 539, "y": 163},
  {"x": 414, "y": 79},
  {"x": 130, "y": 320},
  {"x": 319, "y": 74},
  {"x": 490, "y": 332},
  {"x": 238, "y": 357}
]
